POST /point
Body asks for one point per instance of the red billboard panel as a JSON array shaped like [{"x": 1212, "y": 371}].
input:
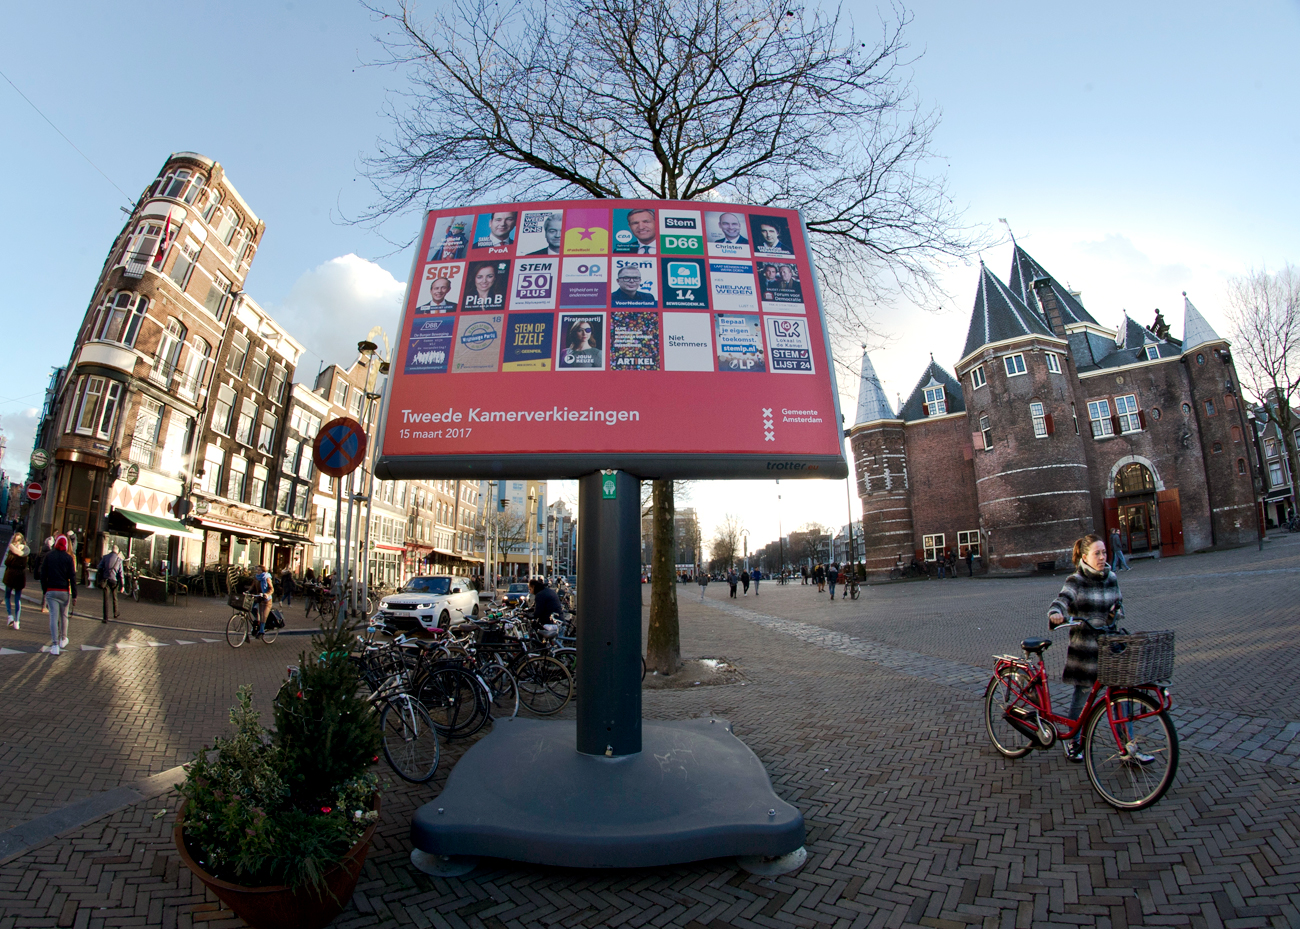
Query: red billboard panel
[{"x": 665, "y": 338}]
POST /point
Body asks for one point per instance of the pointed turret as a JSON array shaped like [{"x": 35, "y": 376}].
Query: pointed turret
[
  {"x": 1028, "y": 275},
  {"x": 873, "y": 405},
  {"x": 999, "y": 315},
  {"x": 1196, "y": 331}
]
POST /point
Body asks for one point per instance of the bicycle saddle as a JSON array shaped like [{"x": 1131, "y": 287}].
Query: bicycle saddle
[{"x": 1036, "y": 646}]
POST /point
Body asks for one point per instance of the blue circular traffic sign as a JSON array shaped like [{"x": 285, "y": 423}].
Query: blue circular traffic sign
[{"x": 340, "y": 447}]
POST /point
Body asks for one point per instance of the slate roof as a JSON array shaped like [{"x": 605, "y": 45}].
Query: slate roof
[
  {"x": 1130, "y": 345},
  {"x": 914, "y": 408},
  {"x": 1196, "y": 331},
  {"x": 1024, "y": 271},
  {"x": 872, "y": 402},
  {"x": 999, "y": 314}
]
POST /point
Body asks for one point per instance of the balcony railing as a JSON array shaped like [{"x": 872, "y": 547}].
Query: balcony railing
[
  {"x": 136, "y": 263},
  {"x": 143, "y": 453},
  {"x": 173, "y": 378}
]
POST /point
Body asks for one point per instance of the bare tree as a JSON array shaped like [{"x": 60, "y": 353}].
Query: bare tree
[
  {"x": 508, "y": 529},
  {"x": 1264, "y": 310},
  {"x": 813, "y": 541},
  {"x": 725, "y": 544},
  {"x": 751, "y": 101}
]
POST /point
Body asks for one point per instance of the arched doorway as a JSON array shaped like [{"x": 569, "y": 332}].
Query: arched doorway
[{"x": 1139, "y": 515}]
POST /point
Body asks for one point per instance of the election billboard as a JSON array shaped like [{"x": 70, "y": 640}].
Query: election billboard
[{"x": 666, "y": 338}]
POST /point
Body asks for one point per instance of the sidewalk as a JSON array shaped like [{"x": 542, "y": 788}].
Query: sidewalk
[{"x": 912, "y": 818}]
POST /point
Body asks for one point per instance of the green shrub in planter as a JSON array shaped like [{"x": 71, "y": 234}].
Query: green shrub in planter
[{"x": 280, "y": 807}]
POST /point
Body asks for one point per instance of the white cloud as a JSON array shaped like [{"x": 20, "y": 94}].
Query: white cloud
[
  {"x": 20, "y": 431},
  {"x": 330, "y": 308}
]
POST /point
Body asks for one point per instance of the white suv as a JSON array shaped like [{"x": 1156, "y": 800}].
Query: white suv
[{"x": 429, "y": 602}]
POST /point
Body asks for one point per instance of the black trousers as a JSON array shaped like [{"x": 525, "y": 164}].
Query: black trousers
[{"x": 110, "y": 592}]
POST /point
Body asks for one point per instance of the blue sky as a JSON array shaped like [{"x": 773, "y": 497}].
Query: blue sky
[{"x": 1138, "y": 150}]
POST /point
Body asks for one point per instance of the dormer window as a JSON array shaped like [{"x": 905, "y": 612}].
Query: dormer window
[
  {"x": 1152, "y": 353},
  {"x": 936, "y": 404}
]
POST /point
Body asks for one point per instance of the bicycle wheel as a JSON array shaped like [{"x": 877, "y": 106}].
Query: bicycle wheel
[
  {"x": 1132, "y": 763},
  {"x": 503, "y": 690},
  {"x": 545, "y": 686},
  {"x": 1003, "y": 691},
  {"x": 410, "y": 739},
  {"x": 237, "y": 630},
  {"x": 453, "y": 699},
  {"x": 268, "y": 634},
  {"x": 854, "y": 591}
]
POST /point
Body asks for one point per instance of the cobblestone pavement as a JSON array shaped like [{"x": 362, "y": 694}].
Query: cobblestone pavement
[{"x": 913, "y": 819}]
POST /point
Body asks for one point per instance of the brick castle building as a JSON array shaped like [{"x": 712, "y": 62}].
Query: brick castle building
[{"x": 1052, "y": 426}]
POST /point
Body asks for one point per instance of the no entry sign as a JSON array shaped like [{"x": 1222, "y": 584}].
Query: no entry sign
[
  {"x": 34, "y": 491},
  {"x": 340, "y": 447}
]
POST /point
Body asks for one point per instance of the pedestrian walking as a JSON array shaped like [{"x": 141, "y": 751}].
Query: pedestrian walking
[
  {"x": 46, "y": 547},
  {"x": 819, "y": 577},
  {"x": 733, "y": 580},
  {"x": 756, "y": 576},
  {"x": 703, "y": 578},
  {"x": 832, "y": 575},
  {"x": 1118, "y": 562},
  {"x": 59, "y": 587},
  {"x": 15, "y": 578},
  {"x": 940, "y": 562},
  {"x": 744, "y": 581},
  {"x": 110, "y": 577},
  {"x": 970, "y": 559},
  {"x": 952, "y": 563},
  {"x": 803, "y": 573},
  {"x": 286, "y": 587}
]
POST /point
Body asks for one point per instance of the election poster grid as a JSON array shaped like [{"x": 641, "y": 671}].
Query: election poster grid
[{"x": 601, "y": 309}]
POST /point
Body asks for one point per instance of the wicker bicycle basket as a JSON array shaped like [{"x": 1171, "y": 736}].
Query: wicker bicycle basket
[{"x": 1140, "y": 658}]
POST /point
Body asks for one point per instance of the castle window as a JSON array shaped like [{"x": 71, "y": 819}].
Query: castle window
[
  {"x": 935, "y": 403},
  {"x": 1099, "y": 414},
  {"x": 1015, "y": 364},
  {"x": 1230, "y": 402},
  {"x": 1126, "y": 408},
  {"x": 1200, "y": 359},
  {"x": 1074, "y": 415},
  {"x": 1236, "y": 434},
  {"x": 1209, "y": 408},
  {"x": 977, "y": 377},
  {"x": 969, "y": 540},
  {"x": 933, "y": 545},
  {"x": 1217, "y": 448},
  {"x": 1039, "y": 416},
  {"x": 1152, "y": 353},
  {"x": 1241, "y": 465},
  {"x": 1053, "y": 362},
  {"x": 1155, "y": 412},
  {"x": 986, "y": 432},
  {"x": 1187, "y": 409}
]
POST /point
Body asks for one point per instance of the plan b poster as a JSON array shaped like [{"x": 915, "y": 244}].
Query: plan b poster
[{"x": 552, "y": 339}]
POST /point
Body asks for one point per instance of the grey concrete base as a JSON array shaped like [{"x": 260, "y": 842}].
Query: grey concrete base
[{"x": 524, "y": 793}]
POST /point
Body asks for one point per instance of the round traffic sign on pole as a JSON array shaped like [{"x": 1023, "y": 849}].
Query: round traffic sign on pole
[
  {"x": 340, "y": 447},
  {"x": 34, "y": 491}
]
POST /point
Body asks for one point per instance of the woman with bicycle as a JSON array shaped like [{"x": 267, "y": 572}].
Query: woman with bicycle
[{"x": 1091, "y": 595}]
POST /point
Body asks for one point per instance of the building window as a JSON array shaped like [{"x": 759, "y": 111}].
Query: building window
[
  {"x": 181, "y": 184},
  {"x": 935, "y": 402},
  {"x": 266, "y": 437},
  {"x": 1187, "y": 409},
  {"x": 214, "y": 204},
  {"x": 933, "y": 545},
  {"x": 968, "y": 540},
  {"x": 227, "y": 225},
  {"x": 1126, "y": 408},
  {"x": 169, "y": 351},
  {"x": 218, "y": 299},
  {"x": 1039, "y": 416},
  {"x": 1209, "y": 408},
  {"x": 212, "y": 467},
  {"x": 1217, "y": 448},
  {"x": 284, "y": 495},
  {"x": 1099, "y": 413},
  {"x": 977, "y": 377},
  {"x": 1241, "y": 465},
  {"x": 257, "y": 371},
  {"x": 222, "y": 410},
  {"x": 1015, "y": 364},
  {"x": 986, "y": 432},
  {"x": 92, "y": 390},
  {"x": 122, "y": 315},
  {"x": 257, "y": 487},
  {"x": 1236, "y": 434},
  {"x": 276, "y": 388},
  {"x": 111, "y": 401},
  {"x": 1200, "y": 359},
  {"x": 356, "y": 402},
  {"x": 238, "y": 354},
  {"x": 300, "y": 501},
  {"x": 1155, "y": 412},
  {"x": 144, "y": 247},
  {"x": 1275, "y": 478},
  {"x": 238, "y": 478},
  {"x": 196, "y": 366},
  {"x": 184, "y": 264},
  {"x": 1053, "y": 362},
  {"x": 1230, "y": 402},
  {"x": 341, "y": 393},
  {"x": 1074, "y": 415},
  {"x": 244, "y": 426}
]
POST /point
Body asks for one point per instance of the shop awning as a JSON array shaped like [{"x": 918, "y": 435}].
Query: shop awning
[
  {"x": 159, "y": 525},
  {"x": 234, "y": 528}
]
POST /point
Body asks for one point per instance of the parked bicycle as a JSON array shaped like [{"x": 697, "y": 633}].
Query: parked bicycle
[{"x": 1130, "y": 746}]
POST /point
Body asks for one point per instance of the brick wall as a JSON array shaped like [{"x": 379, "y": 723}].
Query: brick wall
[{"x": 942, "y": 475}]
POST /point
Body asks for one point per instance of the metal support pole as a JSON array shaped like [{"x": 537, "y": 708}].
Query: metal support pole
[
  {"x": 338, "y": 548},
  {"x": 352, "y": 587},
  {"x": 609, "y": 636}
]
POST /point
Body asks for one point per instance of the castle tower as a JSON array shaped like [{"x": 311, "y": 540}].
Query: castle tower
[
  {"x": 1032, "y": 476},
  {"x": 880, "y": 463},
  {"x": 1059, "y": 308},
  {"x": 1220, "y": 414}
]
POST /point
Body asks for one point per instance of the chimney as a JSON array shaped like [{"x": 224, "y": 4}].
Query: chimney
[{"x": 1051, "y": 307}]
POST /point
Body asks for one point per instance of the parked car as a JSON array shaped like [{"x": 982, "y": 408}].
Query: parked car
[
  {"x": 430, "y": 602},
  {"x": 515, "y": 594}
]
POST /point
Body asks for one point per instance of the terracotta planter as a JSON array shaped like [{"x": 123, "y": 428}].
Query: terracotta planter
[{"x": 277, "y": 906}]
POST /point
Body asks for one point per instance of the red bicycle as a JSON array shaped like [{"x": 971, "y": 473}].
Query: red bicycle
[{"x": 1130, "y": 747}]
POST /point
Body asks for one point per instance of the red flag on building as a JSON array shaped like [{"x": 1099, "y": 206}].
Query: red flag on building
[{"x": 162, "y": 243}]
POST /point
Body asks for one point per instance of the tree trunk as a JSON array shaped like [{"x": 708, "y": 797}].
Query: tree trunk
[{"x": 663, "y": 643}]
